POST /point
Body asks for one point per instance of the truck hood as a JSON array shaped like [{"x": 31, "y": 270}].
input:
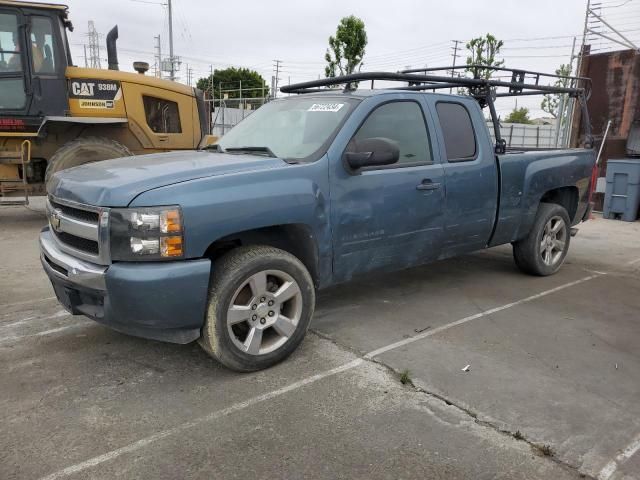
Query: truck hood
[{"x": 115, "y": 183}]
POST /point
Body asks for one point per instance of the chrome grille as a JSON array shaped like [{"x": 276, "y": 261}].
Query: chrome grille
[
  {"x": 84, "y": 215},
  {"x": 79, "y": 229}
]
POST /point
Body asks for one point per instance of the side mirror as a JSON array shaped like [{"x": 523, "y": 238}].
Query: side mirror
[{"x": 372, "y": 152}]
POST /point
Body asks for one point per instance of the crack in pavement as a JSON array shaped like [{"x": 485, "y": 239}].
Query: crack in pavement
[{"x": 474, "y": 416}]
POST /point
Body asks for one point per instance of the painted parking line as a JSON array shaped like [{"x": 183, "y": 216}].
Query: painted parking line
[
  {"x": 132, "y": 447},
  {"x": 485, "y": 313},
  {"x": 13, "y": 338},
  {"x": 208, "y": 418},
  {"x": 26, "y": 302},
  {"x": 33, "y": 318},
  {"x": 630, "y": 450}
]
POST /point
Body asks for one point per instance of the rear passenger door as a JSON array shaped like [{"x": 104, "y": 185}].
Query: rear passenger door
[
  {"x": 387, "y": 217},
  {"x": 470, "y": 175}
]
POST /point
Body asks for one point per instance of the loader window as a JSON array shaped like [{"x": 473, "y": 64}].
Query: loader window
[
  {"x": 163, "y": 116},
  {"x": 42, "y": 46},
  {"x": 9, "y": 44},
  {"x": 12, "y": 94}
]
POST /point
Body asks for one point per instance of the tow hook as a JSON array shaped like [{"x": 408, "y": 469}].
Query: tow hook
[{"x": 574, "y": 231}]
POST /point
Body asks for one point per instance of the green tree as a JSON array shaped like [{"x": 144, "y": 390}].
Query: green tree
[
  {"x": 346, "y": 49},
  {"x": 253, "y": 85},
  {"x": 551, "y": 101},
  {"x": 484, "y": 51},
  {"x": 519, "y": 115}
]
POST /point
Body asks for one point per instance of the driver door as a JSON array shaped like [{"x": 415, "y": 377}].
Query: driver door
[
  {"x": 47, "y": 63},
  {"x": 389, "y": 217}
]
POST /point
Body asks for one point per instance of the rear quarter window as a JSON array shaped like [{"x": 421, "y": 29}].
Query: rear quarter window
[{"x": 458, "y": 132}]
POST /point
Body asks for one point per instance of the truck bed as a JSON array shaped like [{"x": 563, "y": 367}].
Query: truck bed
[{"x": 525, "y": 176}]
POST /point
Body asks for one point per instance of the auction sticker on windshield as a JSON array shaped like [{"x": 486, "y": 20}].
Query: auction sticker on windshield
[{"x": 325, "y": 107}]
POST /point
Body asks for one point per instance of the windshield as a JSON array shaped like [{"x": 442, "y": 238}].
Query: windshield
[{"x": 293, "y": 128}]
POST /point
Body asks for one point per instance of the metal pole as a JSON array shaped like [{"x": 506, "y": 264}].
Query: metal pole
[
  {"x": 455, "y": 57},
  {"x": 86, "y": 65},
  {"x": 604, "y": 138},
  {"x": 159, "y": 57},
  {"x": 559, "y": 118},
  {"x": 566, "y": 130},
  {"x": 211, "y": 97},
  {"x": 627, "y": 43},
  {"x": 171, "y": 59},
  {"x": 240, "y": 102},
  {"x": 220, "y": 105}
]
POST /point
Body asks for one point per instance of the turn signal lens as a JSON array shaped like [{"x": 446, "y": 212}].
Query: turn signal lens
[
  {"x": 170, "y": 221},
  {"x": 171, "y": 246}
]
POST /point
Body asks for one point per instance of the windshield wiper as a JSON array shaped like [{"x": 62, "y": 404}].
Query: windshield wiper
[
  {"x": 213, "y": 146},
  {"x": 265, "y": 150}
]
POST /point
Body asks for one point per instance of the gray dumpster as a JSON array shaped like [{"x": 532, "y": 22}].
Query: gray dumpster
[{"x": 622, "y": 196}]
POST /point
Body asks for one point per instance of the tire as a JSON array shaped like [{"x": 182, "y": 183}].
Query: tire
[
  {"x": 263, "y": 329},
  {"x": 543, "y": 251},
  {"x": 84, "y": 150}
]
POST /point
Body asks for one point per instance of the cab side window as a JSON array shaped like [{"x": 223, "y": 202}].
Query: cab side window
[
  {"x": 42, "y": 46},
  {"x": 401, "y": 122},
  {"x": 162, "y": 116},
  {"x": 9, "y": 44},
  {"x": 12, "y": 94},
  {"x": 457, "y": 128}
]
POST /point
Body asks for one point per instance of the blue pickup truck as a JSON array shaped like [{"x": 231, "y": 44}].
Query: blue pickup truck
[{"x": 228, "y": 245}]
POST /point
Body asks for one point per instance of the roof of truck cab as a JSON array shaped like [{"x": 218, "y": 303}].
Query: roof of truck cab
[{"x": 48, "y": 6}]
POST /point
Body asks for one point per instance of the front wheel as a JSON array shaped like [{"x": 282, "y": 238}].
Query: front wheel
[
  {"x": 543, "y": 251},
  {"x": 261, "y": 301}
]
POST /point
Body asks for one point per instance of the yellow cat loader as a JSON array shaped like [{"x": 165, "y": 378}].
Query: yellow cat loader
[{"x": 54, "y": 115}]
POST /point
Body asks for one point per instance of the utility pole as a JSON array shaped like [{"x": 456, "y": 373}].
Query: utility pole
[
  {"x": 86, "y": 65},
  {"x": 276, "y": 78},
  {"x": 94, "y": 46},
  {"x": 159, "y": 49},
  {"x": 455, "y": 58},
  {"x": 171, "y": 59},
  {"x": 568, "y": 107}
]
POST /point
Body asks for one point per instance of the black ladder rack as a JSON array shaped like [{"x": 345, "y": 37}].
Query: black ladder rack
[{"x": 485, "y": 91}]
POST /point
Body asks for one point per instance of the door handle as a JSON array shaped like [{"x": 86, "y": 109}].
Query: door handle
[{"x": 427, "y": 184}]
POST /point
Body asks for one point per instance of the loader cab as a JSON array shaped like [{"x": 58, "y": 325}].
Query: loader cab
[{"x": 34, "y": 54}]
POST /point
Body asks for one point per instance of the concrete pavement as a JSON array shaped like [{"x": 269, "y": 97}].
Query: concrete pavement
[{"x": 561, "y": 370}]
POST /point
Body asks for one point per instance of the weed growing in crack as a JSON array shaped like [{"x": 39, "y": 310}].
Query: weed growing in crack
[{"x": 405, "y": 379}]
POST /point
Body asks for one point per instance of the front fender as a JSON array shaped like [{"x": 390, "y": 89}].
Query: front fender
[{"x": 216, "y": 207}]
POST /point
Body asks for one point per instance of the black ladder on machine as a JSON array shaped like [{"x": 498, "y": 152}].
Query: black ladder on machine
[{"x": 9, "y": 186}]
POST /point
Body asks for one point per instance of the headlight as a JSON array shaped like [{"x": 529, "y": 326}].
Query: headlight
[{"x": 150, "y": 233}]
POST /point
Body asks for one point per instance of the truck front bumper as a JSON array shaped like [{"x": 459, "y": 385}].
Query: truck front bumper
[{"x": 162, "y": 301}]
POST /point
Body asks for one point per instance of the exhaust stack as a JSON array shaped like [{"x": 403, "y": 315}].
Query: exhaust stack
[{"x": 112, "y": 51}]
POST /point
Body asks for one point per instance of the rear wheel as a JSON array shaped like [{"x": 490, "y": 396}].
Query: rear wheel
[
  {"x": 260, "y": 304},
  {"x": 543, "y": 251},
  {"x": 84, "y": 150}
]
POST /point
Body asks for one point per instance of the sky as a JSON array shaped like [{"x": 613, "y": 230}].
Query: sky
[{"x": 401, "y": 33}]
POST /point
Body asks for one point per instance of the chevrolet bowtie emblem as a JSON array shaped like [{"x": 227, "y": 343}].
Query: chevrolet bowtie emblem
[{"x": 55, "y": 220}]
